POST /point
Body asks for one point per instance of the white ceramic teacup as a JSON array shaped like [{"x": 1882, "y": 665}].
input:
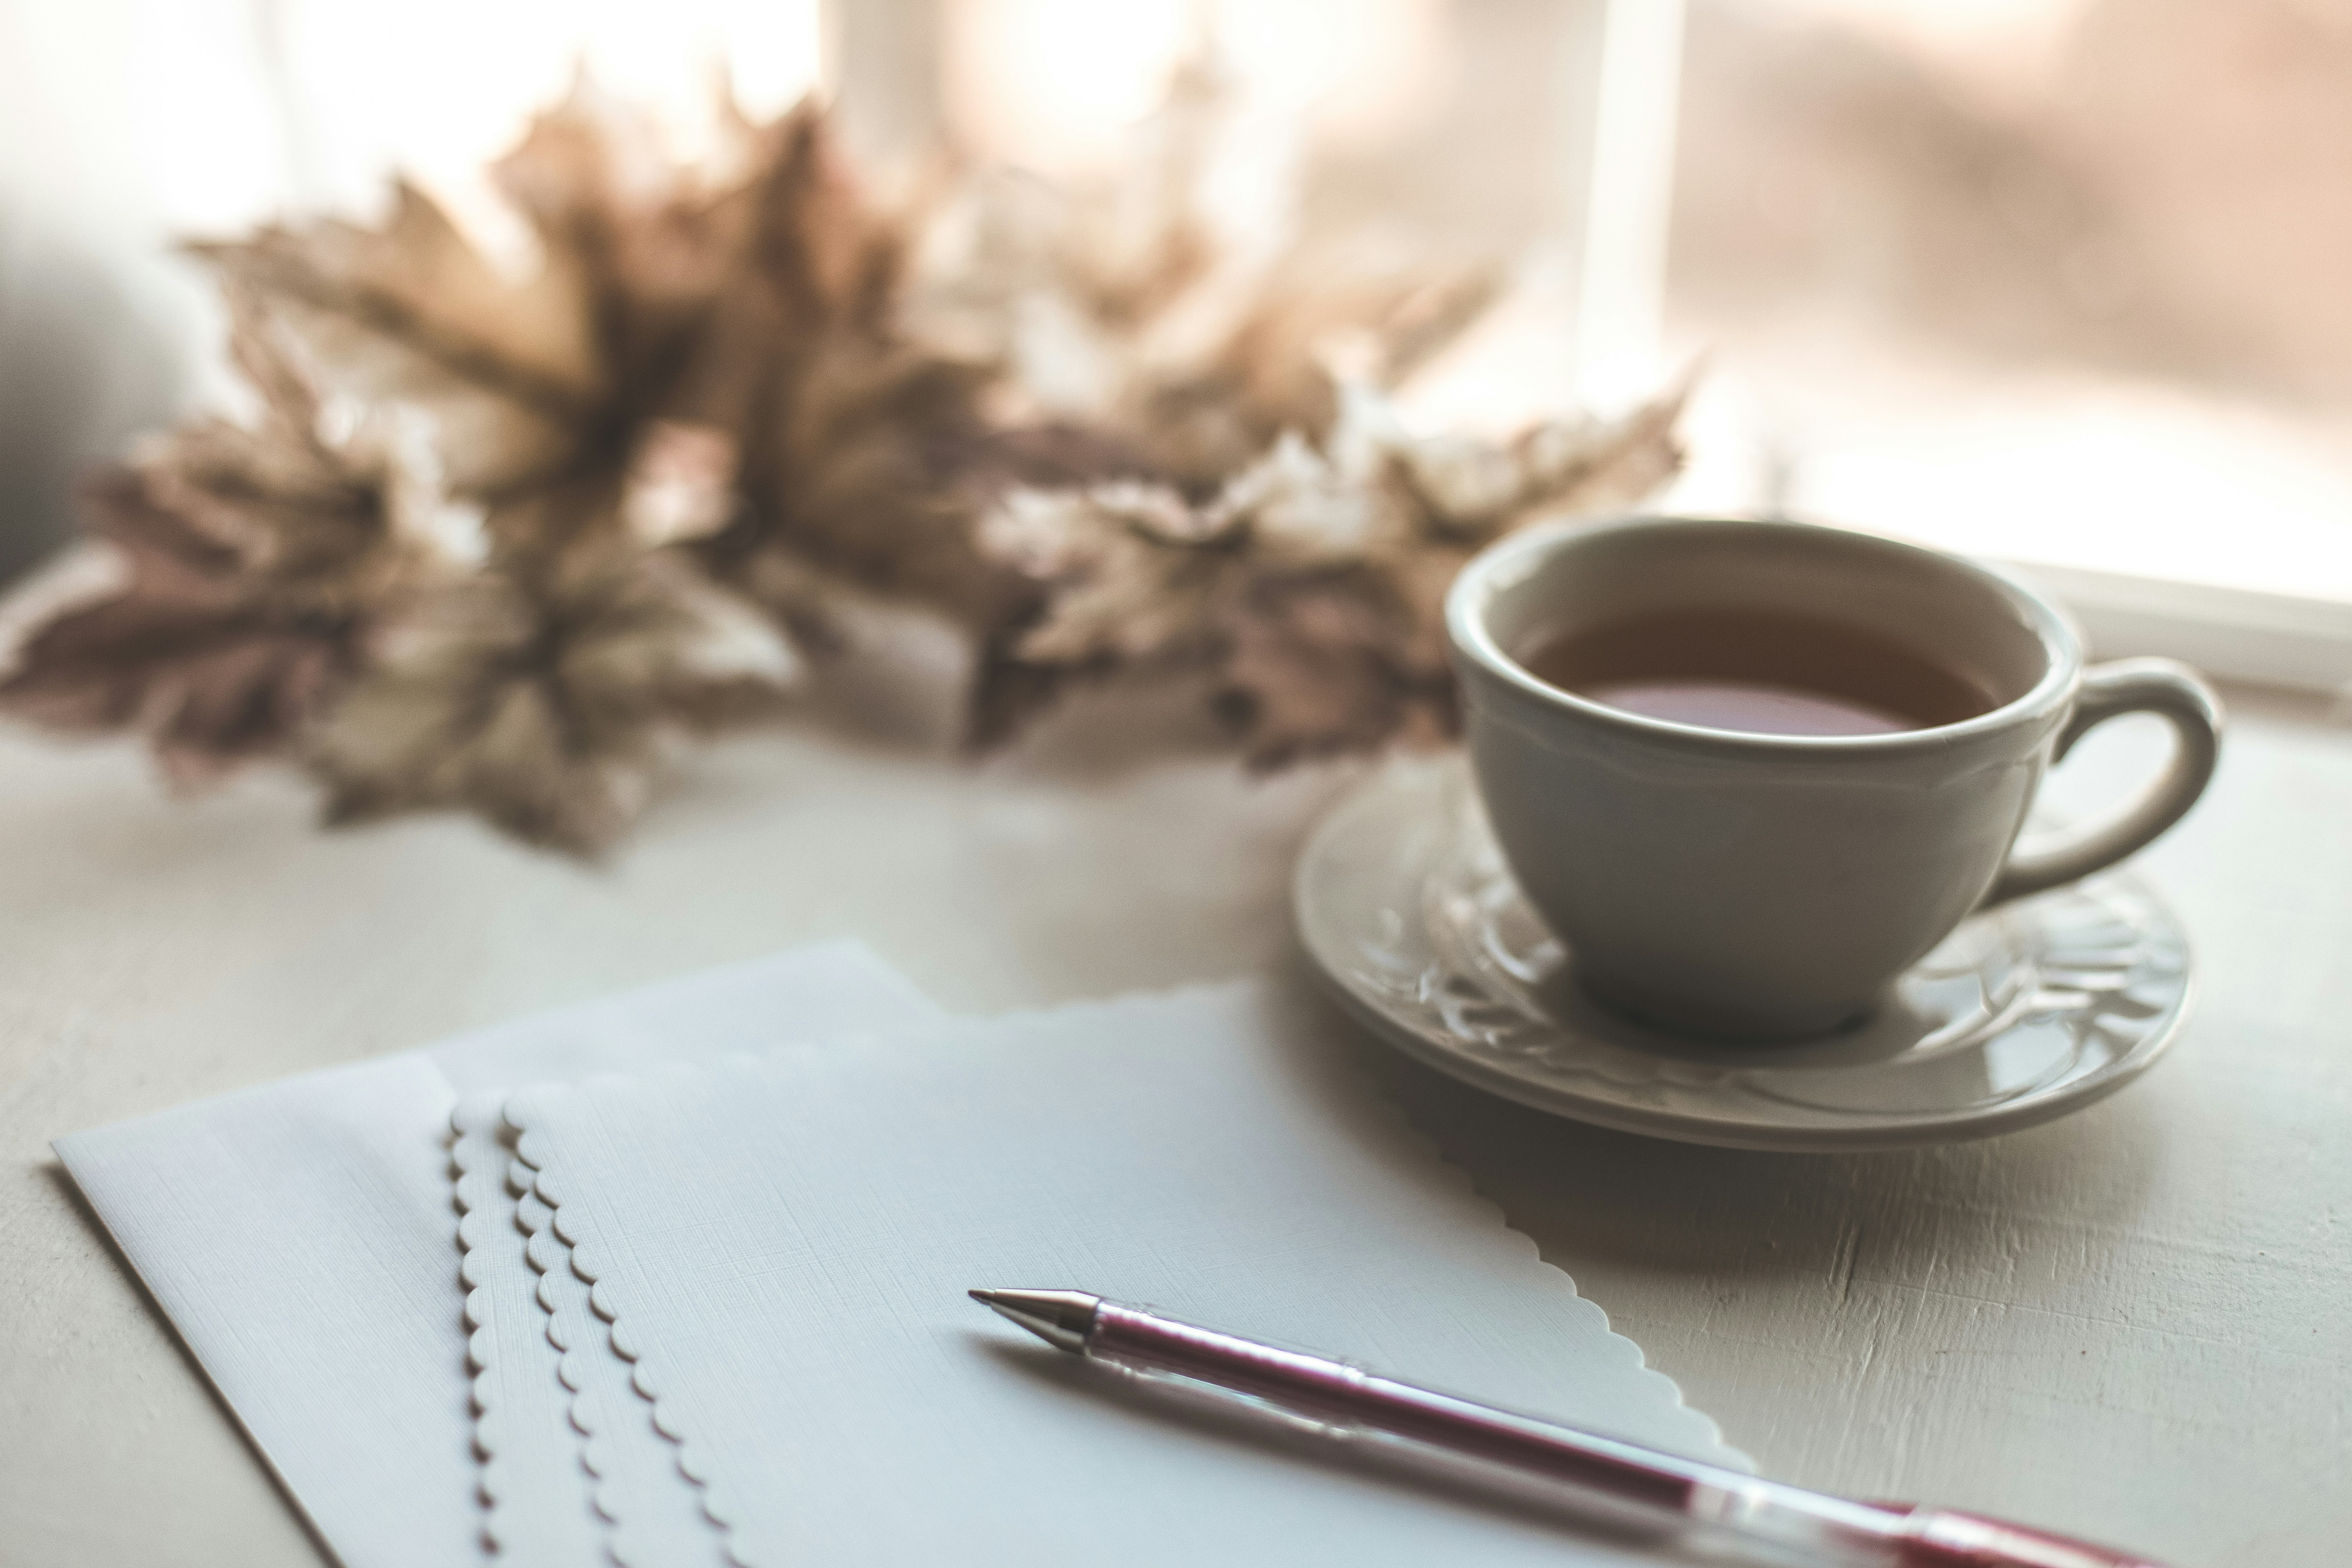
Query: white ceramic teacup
[{"x": 1769, "y": 886}]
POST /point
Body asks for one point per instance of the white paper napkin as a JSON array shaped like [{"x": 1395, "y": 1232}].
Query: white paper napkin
[
  {"x": 782, "y": 1246},
  {"x": 301, "y": 1238}
]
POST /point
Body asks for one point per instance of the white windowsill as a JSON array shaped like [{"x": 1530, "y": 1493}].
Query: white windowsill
[{"x": 2230, "y": 634}]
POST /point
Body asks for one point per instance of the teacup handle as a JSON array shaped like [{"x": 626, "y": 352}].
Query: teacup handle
[{"x": 2173, "y": 692}]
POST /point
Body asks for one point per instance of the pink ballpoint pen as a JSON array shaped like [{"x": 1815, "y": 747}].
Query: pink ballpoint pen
[{"x": 1629, "y": 1482}]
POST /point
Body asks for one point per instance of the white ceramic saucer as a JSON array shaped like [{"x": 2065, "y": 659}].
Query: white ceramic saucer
[{"x": 2025, "y": 1013}]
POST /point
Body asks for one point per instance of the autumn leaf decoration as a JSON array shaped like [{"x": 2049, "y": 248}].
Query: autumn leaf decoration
[
  {"x": 1310, "y": 585},
  {"x": 256, "y": 561},
  {"x": 498, "y": 541}
]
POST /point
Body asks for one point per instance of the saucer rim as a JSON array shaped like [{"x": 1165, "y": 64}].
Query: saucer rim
[{"x": 1892, "y": 1132}]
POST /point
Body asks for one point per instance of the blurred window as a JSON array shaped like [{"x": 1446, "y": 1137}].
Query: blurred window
[{"x": 2066, "y": 282}]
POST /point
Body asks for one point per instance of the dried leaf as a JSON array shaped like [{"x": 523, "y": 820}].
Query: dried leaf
[
  {"x": 694, "y": 362},
  {"x": 1108, "y": 438},
  {"x": 1133, "y": 304},
  {"x": 860, "y": 469},
  {"x": 1138, "y": 570},
  {"x": 255, "y": 559},
  {"x": 863, "y": 452},
  {"x": 1299, "y": 504},
  {"x": 1313, "y": 669},
  {"x": 1313, "y": 583},
  {"x": 511, "y": 371},
  {"x": 547, "y": 708},
  {"x": 1579, "y": 466},
  {"x": 1214, "y": 391},
  {"x": 178, "y": 654},
  {"x": 680, "y": 485}
]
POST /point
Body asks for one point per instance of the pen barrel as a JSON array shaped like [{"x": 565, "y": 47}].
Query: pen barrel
[
  {"x": 1345, "y": 1397},
  {"x": 1619, "y": 1478}
]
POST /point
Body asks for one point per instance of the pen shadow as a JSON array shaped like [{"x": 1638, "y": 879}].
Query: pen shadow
[{"x": 1228, "y": 1420}]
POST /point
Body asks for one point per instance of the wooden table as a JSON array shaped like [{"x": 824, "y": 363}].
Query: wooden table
[{"x": 2136, "y": 1324}]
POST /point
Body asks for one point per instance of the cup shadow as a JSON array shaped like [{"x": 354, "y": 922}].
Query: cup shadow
[{"x": 1590, "y": 1197}]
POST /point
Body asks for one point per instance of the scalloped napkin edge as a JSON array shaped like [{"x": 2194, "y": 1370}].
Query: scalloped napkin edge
[
  {"x": 536, "y": 1497},
  {"x": 584, "y": 1471},
  {"x": 566, "y": 1455},
  {"x": 606, "y": 1225}
]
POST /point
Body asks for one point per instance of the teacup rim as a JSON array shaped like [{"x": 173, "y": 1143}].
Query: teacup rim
[{"x": 1468, "y": 633}]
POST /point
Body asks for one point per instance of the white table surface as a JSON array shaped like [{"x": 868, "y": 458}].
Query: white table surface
[{"x": 2135, "y": 1325}]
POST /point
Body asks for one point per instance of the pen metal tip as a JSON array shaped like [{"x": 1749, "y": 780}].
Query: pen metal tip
[{"x": 1060, "y": 1318}]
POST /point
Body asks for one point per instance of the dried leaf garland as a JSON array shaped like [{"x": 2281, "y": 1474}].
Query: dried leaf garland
[
  {"x": 694, "y": 372},
  {"x": 500, "y": 539}
]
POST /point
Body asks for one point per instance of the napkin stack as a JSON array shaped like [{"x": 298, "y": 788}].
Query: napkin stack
[{"x": 704, "y": 1301}]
